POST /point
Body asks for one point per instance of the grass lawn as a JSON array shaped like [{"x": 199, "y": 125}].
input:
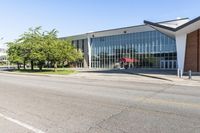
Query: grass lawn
[{"x": 48, "y": 71}]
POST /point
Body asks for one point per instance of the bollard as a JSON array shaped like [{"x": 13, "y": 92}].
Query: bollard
[
  {"x": 178, "y": 73},
  {"x": 181, "y": 73},
  {"x": 190, "y": 74}
]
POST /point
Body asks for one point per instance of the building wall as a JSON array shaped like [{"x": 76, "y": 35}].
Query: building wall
[
  {"x": 198, "y": 53},
  {"x": 192, "y": 57},
  {"x": 82, "y": 44}
]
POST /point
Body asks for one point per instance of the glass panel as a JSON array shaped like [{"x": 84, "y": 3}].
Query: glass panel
[{"x": 149, "y": 48}]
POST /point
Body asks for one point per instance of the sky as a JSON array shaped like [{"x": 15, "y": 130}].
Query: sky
[{"x": 71, "y": 17}]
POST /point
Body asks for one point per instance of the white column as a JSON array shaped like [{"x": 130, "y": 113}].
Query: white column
[
  {"x": 89, "y": 51},
  {"x": 181, "y": 48}
]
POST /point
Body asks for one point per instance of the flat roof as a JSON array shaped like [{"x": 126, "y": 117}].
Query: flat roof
[
  {"x": 140, "y": 25},
  {"x": 85, "y": 35}
]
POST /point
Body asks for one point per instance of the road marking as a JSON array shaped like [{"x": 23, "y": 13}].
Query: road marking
[{"x": 35, "y": 130}]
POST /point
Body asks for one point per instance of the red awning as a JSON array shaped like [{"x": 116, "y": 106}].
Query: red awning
[{"x": 128, "y": 60}]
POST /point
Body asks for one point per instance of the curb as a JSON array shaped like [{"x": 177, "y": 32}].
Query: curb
[
  {"x": 32, "y": 74},
  {"x": 27, "y": 74},
  {"x": 51, "y": 75},
  {"x": 149, "y": 76}
]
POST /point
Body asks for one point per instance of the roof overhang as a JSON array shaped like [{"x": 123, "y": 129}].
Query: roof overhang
[{"x": 185, "y": 28}]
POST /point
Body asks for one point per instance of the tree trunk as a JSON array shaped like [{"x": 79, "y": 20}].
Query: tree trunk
[
  {"x": 48, "y": 64},
  {"x": 32, "y": 66},
  {"x": 24, "y": 65},
  {"x": 40, "y": 67},
  {"x": 63, "y": 64},
  {"x": 18, "y": 66},
  {"x": 55, "y": 67}
]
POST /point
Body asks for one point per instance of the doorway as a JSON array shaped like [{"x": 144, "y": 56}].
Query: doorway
[{"x": 168, "y": 64}]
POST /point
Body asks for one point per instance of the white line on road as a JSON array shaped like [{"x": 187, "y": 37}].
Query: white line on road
[{"x": 21, "y": 124}]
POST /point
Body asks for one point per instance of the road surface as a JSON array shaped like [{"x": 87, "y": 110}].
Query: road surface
[{"x": 43, "y": 104}]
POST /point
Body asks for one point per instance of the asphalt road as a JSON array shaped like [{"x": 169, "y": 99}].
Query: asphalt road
[{"x": 79, "y": 105}]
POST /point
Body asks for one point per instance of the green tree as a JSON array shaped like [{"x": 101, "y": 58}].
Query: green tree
[
  {"x": 60, "y": 51},
  {"x": 38, "y": 47},
  {"x": 33, "y": 50},
  {"x": 14, "y": 53}
]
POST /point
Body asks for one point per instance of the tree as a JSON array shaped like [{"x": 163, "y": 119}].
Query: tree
[
  {"x": 68, "y": 53},
  {"x": 38, "y": 47},
  {"x": 14, "y": 53},
  {"x": 57, "y": 50},
  {"x": 33, "y": 47},
  {"x": 60, "y": 51}
]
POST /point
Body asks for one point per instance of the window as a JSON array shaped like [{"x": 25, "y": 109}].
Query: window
[
  {"x": 77, "y": 45},
  {"x": 83, "y": 44},
  {"x": 166, "y": 64},
  {"x": 102, "y": 39},
  {"x": 170, "y": 64},
  {"x": 150, "y": 48},
  {"x": 175, "y": 65}
]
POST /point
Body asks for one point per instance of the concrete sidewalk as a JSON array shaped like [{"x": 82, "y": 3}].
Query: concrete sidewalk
[
  {"x": 149, "y": 76},
  {"x": 169, "y": 76},
  {"x": 125, "y": 76}
]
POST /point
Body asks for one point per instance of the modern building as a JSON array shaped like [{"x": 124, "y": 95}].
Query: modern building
[{"x": 168, "y": 45}]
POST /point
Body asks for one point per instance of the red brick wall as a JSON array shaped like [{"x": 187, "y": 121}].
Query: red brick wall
[
  {"x": 192, "y": 57},
  {"x": 199, "y": 52}
]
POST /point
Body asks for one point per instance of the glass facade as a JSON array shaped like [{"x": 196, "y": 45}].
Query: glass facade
[
  {"x": 151, "y": 49},
  {"x": 79, "y": 45}
]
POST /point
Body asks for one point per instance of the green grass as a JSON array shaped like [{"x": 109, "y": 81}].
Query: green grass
[{"x": 47, "y": 71}]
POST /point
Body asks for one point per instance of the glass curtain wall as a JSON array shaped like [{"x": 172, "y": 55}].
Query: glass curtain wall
[
  {"x": 150, "y": 49},
  {"x": 79, "y": 45}
]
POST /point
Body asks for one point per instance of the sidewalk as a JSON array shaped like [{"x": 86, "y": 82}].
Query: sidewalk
[
  {"x": 149, "y": 76},
  {"x": 169, "y": 76},
  {"x": 161, "y": 77},
  {"x": 125, "y": 76}
]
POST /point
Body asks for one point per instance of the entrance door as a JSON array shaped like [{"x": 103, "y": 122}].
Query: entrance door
[{"x": 168, "y": 64}]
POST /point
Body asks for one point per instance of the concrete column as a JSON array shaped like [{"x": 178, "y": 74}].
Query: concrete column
[
  {"x": 181, "y": 49},
  {"x": 89, "y": 51}
]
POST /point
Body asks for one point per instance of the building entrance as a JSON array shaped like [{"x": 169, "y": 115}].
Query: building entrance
[{"x": 168, "y": 64}]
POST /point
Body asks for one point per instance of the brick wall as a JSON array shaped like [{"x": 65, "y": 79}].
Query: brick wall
[
  {"x": 199, "y": 52},
  {"x": 192, "y": 57}
]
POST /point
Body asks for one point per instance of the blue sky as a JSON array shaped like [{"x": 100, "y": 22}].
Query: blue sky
[{"x": 72, "y": 17}]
